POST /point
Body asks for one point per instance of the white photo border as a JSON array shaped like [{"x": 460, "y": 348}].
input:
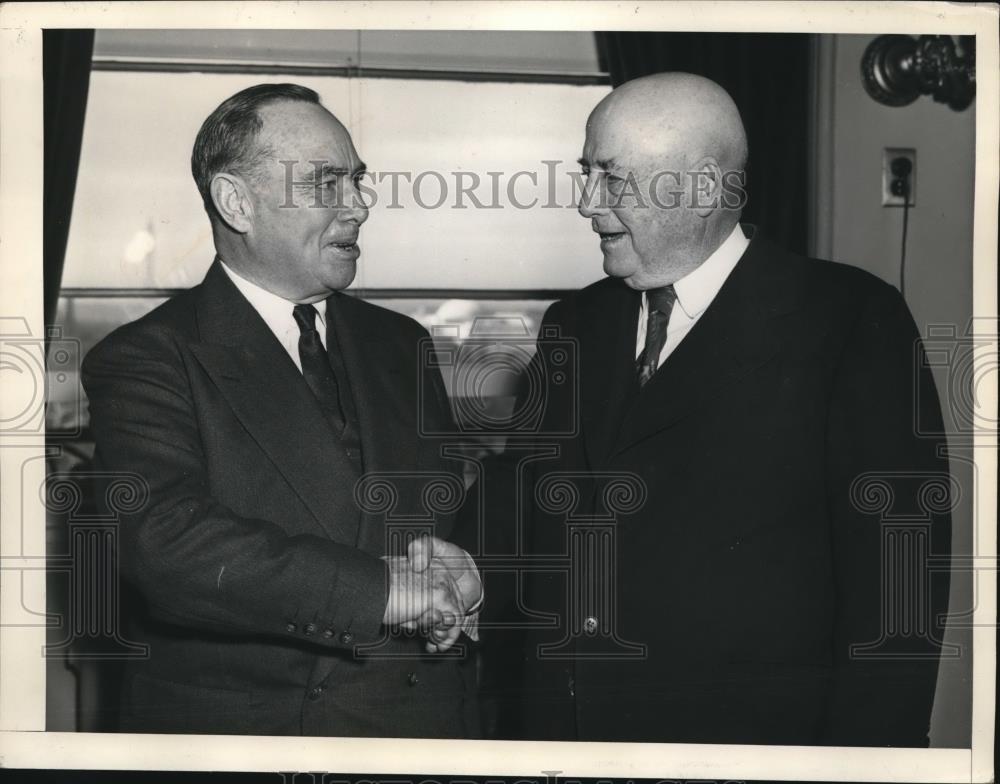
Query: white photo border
[{"x": 23, "y": 741}]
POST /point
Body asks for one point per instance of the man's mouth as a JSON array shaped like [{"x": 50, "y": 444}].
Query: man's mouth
[
  {"x": 345, "y": 245},
  {"x": 610, "y": 237}
]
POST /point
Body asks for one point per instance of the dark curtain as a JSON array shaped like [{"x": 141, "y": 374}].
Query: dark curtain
[
  {"x": 66, "y": 56},
  {"x": 767, "y": 75}
]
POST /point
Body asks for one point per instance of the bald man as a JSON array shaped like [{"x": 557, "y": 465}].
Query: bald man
[{"x": 741, "y": 395}]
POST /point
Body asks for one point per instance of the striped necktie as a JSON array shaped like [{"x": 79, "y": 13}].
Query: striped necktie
[{"x": 660, "y": 302}]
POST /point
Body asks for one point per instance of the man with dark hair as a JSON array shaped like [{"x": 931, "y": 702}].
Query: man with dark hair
[
  {"x": 257, "y": 407},
  {"x": 751, "y": 402},
  {"x": 229, "y": 139}
]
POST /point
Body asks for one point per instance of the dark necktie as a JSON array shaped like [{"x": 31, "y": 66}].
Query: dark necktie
[
  {"x": 660, "y": 302},
  {"x": 316, "y": 366}
]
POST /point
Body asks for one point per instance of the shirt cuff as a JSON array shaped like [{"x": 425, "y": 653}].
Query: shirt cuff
[{"x": 470, "y": 623}]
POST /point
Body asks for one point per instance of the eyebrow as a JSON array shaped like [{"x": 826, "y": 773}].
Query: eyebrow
[
  {"x": 604, "y": 165},
  {"x": 329, "y": 170}
]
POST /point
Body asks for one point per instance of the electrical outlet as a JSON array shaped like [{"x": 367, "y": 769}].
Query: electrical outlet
[{"x": 890, "y": 154}]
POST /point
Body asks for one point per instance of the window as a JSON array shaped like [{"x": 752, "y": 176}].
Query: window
[
  {"x": 138, "y": 220},
  {"x": 471, "y": 139}
]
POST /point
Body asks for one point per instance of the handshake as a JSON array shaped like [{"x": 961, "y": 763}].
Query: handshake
[{"x": 434, "y": 588}]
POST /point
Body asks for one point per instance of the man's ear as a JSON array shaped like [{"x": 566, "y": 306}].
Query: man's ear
[
  {"x": 706, "y": 186},
  {"x": 231, "y": 196}
]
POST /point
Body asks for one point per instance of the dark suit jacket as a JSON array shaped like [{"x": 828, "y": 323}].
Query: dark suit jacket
[
  {"x": 750, "y": 569},
  {"x": 259, "y": 571}
]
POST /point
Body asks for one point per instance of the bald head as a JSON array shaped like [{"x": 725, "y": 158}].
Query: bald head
[
  {"x": 664, "y": 159},
  {"x": 668, "y": 115}
]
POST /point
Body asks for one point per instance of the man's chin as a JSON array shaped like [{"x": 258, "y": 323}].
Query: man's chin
[
  {"x": 341, "y": 275},
  {"x": 618, "y": 267}
]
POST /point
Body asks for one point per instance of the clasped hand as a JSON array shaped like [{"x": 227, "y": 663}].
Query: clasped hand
[{"x": 435, "y": 588}]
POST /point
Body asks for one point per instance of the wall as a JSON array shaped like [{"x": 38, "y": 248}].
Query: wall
[{"x": 851, "y": 226}]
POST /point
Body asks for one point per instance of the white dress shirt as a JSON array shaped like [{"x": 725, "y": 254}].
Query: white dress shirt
[
  {"x": 277, "y": 313},
  {"x": 695, "y": 292}
]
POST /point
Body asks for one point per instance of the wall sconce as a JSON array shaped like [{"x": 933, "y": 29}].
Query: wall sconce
[{"x": 898, "y": 69}]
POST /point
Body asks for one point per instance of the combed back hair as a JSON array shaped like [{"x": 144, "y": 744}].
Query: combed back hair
[{"x": 227, "y": 140}]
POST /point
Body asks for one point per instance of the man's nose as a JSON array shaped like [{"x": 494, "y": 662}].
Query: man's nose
[
  {"x": 355, "y": 209},
  {"x": 592, "y": 201}
]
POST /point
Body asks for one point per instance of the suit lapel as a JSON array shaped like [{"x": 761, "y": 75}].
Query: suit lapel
[
  {"x": 268, "y": 395},
  {"x": 734, "y": 336},
  {"x": 607, "y": 369},
  {"x": 386, "y": 416}
]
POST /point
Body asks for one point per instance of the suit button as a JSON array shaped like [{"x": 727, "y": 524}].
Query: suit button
[
  {"x": 309, "y": 628},
  {"x": 328, "y": 633},
  {"x": 572, "y": 687},
  {"x": 315, "y": 693},
  {"x": 346, "y": 638},
  {"x": 291, "y": 627},
  {"x": 590, "y": 624},
  {"x": 412, "y": 679}
]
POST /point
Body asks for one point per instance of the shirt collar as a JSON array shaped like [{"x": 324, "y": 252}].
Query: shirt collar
[
  {"x": 276, "y": 311},
  {"x": 696, "y": 290}
]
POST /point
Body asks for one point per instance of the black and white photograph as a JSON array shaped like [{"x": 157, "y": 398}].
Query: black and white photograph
[{"x": 450, "y": 390}]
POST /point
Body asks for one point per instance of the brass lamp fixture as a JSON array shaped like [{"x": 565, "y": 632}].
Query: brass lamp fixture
[{"x": 898, "y": 69}]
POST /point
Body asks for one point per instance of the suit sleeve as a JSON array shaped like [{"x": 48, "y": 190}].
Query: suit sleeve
[
  {"x": 196, "y": 562},
  {"x": 882, "y": 695}
]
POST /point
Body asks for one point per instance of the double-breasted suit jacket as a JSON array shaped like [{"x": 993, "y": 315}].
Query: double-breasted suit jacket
[{"x": 257, "y": 556}]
